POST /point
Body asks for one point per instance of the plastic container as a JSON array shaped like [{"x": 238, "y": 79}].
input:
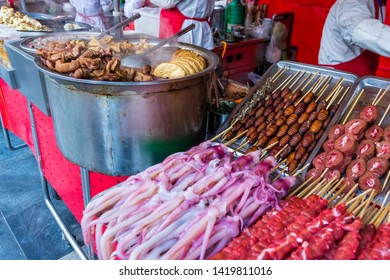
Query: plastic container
[
  {"x": 234, "y": 14},
  {"x": 149, "y": 22}
]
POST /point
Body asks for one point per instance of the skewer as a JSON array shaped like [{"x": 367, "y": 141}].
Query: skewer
[
  {"x": 320, "y": 84},
  {"x": 277, "y": 73},
  {"x": 300, "y": 76},
  {"x": 322, "y": 92},
  {"x": 303, "y": 81},
  {"x": 334, "y": 97},
  {"x": 270, "y": 146},
  {"x": 361, "y": 214},
  {"x": 277, "y": 166},
  {"x": 372, "y": 221},
  {"x": 319, "y": 181},
  {"x": 381, "y": 216},
  {"x": 343, "y": 95},
  {"x": 328, "y": 186},
  {"x": 280, "y": 173},
  {"x": 280, "y": 74},
  {"x": 331, "y": 192},
  {"x": 353, "y": 206},
  {"x": 384, "y": 115},
  {"x": 292, "y": 79},
  {"x": 353, "y": 106},
  {"x": 371, "y": 212},
  {"x": 327, "y": 82},
  {"x": 235, "y": 138},
  {"x": 359, "y": 196},
  {"x": 221, "y": 133},
  {"x": 335, "y": 195},
  {"x": 376, "y": 96},
  {"x": 299, "y": 171},
  {"x": 351, "y": 192},
  {"x": 316, "y": 189},
  {"x": 300, "y": 187},
  {"x": 282, "y": 84},
  {"x": 380, "y": 96},
  {"x": 281, "y": 150},
  {"x": 315, "y": 75},
  {"x": 337, "y": 85},
  {"x": 241, "y": 146}
]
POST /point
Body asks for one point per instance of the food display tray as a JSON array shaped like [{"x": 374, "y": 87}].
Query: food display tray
[
  {"x": 345, "y": 79},
  {"x": 371, "y": 86}
]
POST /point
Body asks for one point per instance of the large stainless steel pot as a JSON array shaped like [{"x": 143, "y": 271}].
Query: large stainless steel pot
[{"x": 121, "y": 128}]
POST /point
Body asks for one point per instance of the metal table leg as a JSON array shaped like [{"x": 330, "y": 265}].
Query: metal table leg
[
  {"x": 85, "y": 184},
  {"x": 8, "y": 139},
  {"x": 45, "y": 188}
]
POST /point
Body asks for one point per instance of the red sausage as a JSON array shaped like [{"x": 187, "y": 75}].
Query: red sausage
[
  {"x": 331, "y": 174},
  {"x": 355, "y": 126},
  {"x": 334, "y": 159},
  {"x": 319, "y": 161},
  {"x": 350, "y": 183},
  {"x": 356, "y": 168},
  {"x": 386, "y": 133},
  {"x": 313, "y": 173},
  {"x": 374, "y": 133},
  {"x": 369, "y": 181},
  {"x": 378, "y": 166},
  {"x": 369, "y": 113},
  {"x": 346, "y": 144},
  {"x": 366, "y": 149},
  {"x": 328, "y": 145},
  {"x": 346, "y": 161},
  {"x": 336, "y": 131},
  {"x": 383, "y": 149}
]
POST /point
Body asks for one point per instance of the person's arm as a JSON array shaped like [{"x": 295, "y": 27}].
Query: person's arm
[
  {"x": 359, "y": 27},
  {"x": 165, "y": 4},
  {"x": 107, "y": 3}
]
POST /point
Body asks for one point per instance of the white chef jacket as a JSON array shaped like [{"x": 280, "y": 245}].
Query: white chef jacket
[
  {"x": 201, "y": 35},
  {"x": 90, "y": 11},
  {"x": 351, "y": 28}
]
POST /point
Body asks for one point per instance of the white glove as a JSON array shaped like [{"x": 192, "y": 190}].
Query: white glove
[{"x": 131, "y": 6}]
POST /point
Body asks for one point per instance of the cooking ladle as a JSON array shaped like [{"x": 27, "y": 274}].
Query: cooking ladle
[
  {"x": 139, "y": 60},
  {"x": 119, "y": 25}
]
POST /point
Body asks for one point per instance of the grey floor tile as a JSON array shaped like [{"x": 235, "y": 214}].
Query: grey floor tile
[{"x": 9, "y": 248}]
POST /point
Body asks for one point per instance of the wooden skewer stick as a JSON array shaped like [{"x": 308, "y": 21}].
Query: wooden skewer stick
[
  {"x": 353, "y": 206},
  {"x": 371, "y": 212},
  {"x": 336, "y": 195},
  {"x": 314, "y": 184},
  {"x": 235, "y": 138},
  {"x": 221, "y": 133},
  {"x": 332, "y": 195},
  {"x": 327, "y": 187},
  {"x": 303, "y": 81},
  {"x": 380, "y": 96},
  {"x": 351, "y": 192},
  {"x": 299, "y": 171},
  {"x": 241, "y": 146},
  {"x": 378, "y": 213},
  {"x": 277, "y": 166},
  {"x": 334, "y": 97},
  {"x": 353, "y": 106},
  {"x": 315, "y": 75},
  {"x": 376, "y": 96},
  {"x": 277, "y": 73},
  {"x": 319, "y": 85},
  {"x": 292, "y": 79},
  {"x": 322, "y": 184},
  {"x": 359, "y": 196},
  {"x": 296, "y": 80},
  {"x": 300, "y": 187},
  {"x": 326, "y": 83},
  {"x": 361, "y": 214},
  {"x": 270, "y": 146},
  {"x": 381, "y": 216},
  {"x": 384, "y": 115},
  {"x": 280, "y": 173},
  {"x": 281, "y": 150},
  {"x": 282, "y": 84},
  {"x": 322, "y": 92},
  {"x": 337, "y": 85},
  {"x": 314, "y": 85},
  {"x": 343, "y": 95},
  {"x": 386, "y": 180}
]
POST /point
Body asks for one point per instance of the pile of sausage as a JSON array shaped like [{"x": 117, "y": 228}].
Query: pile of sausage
[
  {"x": 307, "y": 229},
  {"x": 359, "y": 148},
  {"x": 294, "y": 127}
]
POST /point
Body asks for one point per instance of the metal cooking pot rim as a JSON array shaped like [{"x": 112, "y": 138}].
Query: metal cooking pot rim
[{"x": 212, "y": 60}]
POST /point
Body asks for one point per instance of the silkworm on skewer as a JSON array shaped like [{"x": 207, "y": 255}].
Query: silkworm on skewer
[
  {"x": 319, "y": 134},
  {"x": 322, "y": 115},
  {"x": 276, "y": 101},
  {"x": 279, "y": 114},
  {"x": 287, "y": 97},
  {"x": 262, "y": 141},
  {"x": 304, "y": 127},
  {"x": 271, "y": 131},
  {"x": 286, "y": 151},
  {"x": 327, "y": 121},
  {"x": 308, "y": 97},
  {"x": 271, "y": 116},
  {"x": 261, "y": 127},
  {"x": 260, "y": 112},
  {"x": 295, "y": 139},
  {"x": 236, "y": 127},
  {"x": 290, "y": 157},
  {"x": 250, "y": 122},
  {"x": 284, "y": 140},
  {"x": 316, "y": 126},
  {"x": 300, "y": 108},
  {"x": 311, "y": 147},
  {"x": 250, "y": 130},
  {"x": 293, "y": 129},
  {"x": 289, "y": 110},
  {"x": 268, "y": 111},
  {"x": 299, "y": 152},
  {"x": 321, "y": 105},
  {"x": 292, "y": 119},
  {"x": 253, "y": 148},
  {"x": 276, "y": 94},
  {"x": 252, "y": 137},
  {"x": 293, "y": 165},
  {"x": 307, "y": 139},
  {"x": 281, "y": 120},
  {"x": 296, "y": 95},
  {"x": 229, "y": 135},
  {"x": 303, "y": 117},
  {"x": 272, "y": 141},
  {"x": 259, "y": 121},
  {"x": 279, "y": 107},
  {"x": 282, "y": 131},
  {"x": 268, "y": 102},
  {"x": 312, "y": 116},
  {"x": 287, "y": 103},
  {"x": 305, "y": 157},
  {"x": 274, "y": 151},
  {"x": 311, "y": 107}
]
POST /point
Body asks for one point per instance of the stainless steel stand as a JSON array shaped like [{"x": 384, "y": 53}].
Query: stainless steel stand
[
  {"x": 45, "y": 188},
  {"x": 8, "y": 139},
  {"x": 85, "y": 184}
]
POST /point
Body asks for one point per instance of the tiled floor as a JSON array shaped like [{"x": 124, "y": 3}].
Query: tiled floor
[{"x": 27, "y": 228}]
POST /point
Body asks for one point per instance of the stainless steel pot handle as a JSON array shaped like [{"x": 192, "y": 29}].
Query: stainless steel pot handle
[{"x": 119, "y": 25}]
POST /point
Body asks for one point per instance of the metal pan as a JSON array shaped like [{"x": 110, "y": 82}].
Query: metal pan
[{"x": 292, "y": 68}]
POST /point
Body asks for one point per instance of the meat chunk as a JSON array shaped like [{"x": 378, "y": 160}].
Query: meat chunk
[
  {"x": 378, "y": 166},
  {"x": 356, "y": 169},
  {"x": 366, "y": 149},
  {"x": 374, "y": 133},
  {"x": 355, "y": 126},
  {"x": 346, "y": 144},
  {"x": 369, "y": 181},
  {"x": 334, "y": 159},
  {"x": 336, "y": 131},
  {"x": 369, "y": 113},
  {"x": 383, "y": 149}
]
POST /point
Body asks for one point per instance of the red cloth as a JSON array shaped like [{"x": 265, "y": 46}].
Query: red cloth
[
  {"x": 171, "y": 21},
  {"x": 365, "y": 64}
]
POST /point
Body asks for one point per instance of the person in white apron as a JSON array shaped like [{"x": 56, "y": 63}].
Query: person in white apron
[
  {"x": 354, "y": 36},
  {"x": 178, "y": 14},
  {"x": 91, "y": 11}
]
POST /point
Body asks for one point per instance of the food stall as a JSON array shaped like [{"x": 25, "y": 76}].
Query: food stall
[{"x": 140, "y": 146}]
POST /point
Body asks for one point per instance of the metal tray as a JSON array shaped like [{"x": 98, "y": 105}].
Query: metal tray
[
  {"x": 292, "y": 68},
  {"x": 371, "y": 86}
]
